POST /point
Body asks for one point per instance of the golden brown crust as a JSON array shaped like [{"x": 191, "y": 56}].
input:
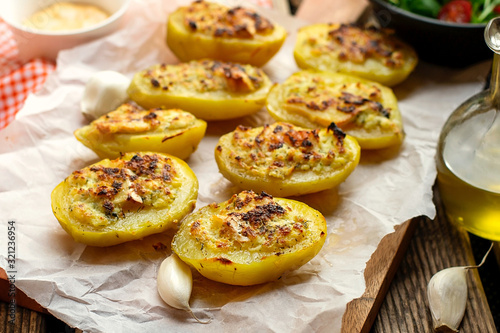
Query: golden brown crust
[
  {"x": 220, "y": 21},
  {"x": 366, "y": 52},
  {"x": 357, "y": 44},
  {"x": 130, "y": 118},
  {"x": 280, "y": 149},
  {"x": 364, "y": 109},
  {"x": 103, "y": 192},
  {"x": 206, "y": 76},
  {"x": 251, "y": 221},
  {"x": 346, "y": 101}
]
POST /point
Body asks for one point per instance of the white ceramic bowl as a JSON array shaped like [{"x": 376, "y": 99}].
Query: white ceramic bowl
[{"x": 33, "y": 43}]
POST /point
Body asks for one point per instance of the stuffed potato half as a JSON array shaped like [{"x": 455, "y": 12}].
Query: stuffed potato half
[
  {"x": 130, "y": 128},
  {"x": 250, "y": 239},
  {"x": 285, "y": 160},
  {"x": 363, "y": 109},
  {"x": 209, "y": 89},
  {"x": 371, "y": 53},
  {"x": 210, "y": 30},
  {"x": 114, "y": 201}
]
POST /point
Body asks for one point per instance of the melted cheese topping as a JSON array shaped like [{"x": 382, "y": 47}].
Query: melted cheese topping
[
  {"x": 250, "y": 222},
  {"x": 130, "y": 119},
  {"x": 104, "y": 193},
  {"x": 280, "y": 149},
  {"x": 355, "y": 44},
  {"x": 323, "y": 102},
  {"x": 205, "y": 76},
  {"x": 220, "y": 21},
  {"x": 66, "y": 16}
]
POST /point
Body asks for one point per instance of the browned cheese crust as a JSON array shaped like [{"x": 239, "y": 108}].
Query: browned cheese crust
[
  {"x": 220, "y": 21},
  {"x": 205, "y": 76},
  {"x": 130, "y": 118},
  {"x": 103, "y": 193},
  {"x": 357, "y": 44},
  {"x": 280, "y": 149},
  {"x": 345, "y": 104},
  {"x": 251, "y": 220}
]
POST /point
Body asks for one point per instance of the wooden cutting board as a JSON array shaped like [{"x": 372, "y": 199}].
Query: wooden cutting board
[{"x": 361, "y": 312}]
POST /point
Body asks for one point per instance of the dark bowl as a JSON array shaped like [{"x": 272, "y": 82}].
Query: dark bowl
[{"x": 438, "y": 42}]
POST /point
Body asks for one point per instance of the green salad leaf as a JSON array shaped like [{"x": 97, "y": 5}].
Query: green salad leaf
[
  {"x": 423, "y": 7},
  {"x": 483, "y": 10}
]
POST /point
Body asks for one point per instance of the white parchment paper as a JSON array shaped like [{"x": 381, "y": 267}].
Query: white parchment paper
[{"x": 114, "y": 289}]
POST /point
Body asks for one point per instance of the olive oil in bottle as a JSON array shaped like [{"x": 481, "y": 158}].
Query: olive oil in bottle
[
  {"x": 469, "y": 177},
  {"x": 468, "y": 155}
]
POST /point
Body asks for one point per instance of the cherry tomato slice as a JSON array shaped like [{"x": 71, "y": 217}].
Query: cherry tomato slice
[{"x": 458, "y": 11}]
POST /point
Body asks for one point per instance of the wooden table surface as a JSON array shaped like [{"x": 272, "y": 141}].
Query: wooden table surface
[
  {"x": 435, "y": 245},
  {"x": 397, "y": 302}
]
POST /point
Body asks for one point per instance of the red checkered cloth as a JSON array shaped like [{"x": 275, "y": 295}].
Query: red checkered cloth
[{"x": 17, "y": 80}]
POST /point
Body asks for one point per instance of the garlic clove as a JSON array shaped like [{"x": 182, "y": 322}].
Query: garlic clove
[
  {"x": 447, "y": 295},
  {"x": 104, "y": 92},
  {"x": 175, "y": 283}
]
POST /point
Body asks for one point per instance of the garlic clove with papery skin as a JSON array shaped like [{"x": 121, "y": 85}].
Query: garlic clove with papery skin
[
  {"x": 175, "y": 283},
  {"x": 447, "y": 295}
]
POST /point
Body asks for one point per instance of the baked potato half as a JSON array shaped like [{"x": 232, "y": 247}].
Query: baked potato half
[
  {"x": 367, "y": 52},
  {"x": 363, "y": 109},
  {"x": 130, "y": 128},
  {"x": 209, "y": 89},
  {"x": 211, "y": 30},
  {"x": 250, "y": 238},
  {"x": 115, "y": 201},
  {"x": 285, "y": 160}
]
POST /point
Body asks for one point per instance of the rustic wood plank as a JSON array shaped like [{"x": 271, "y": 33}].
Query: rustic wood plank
[
  {"x": 383, "y": 264},
  {"x": 26, "y": 320},
  {"x": 436, "y": 245},
  {"x": 496, "y": 250}
]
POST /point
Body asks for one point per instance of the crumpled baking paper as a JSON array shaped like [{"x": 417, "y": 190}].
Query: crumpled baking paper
[{"x": 114, "y": 289}]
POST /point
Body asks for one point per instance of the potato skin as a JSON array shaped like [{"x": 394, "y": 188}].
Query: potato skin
[
  {"x": 189, "y": 43},
  {"x": 377, "y": 54},
  {"x": 286, "y": 160},
  {"x": 209, "y": 89},
  {"x": 115, "y": 201},
  {"x": 363, "y": 109},
  {"x": 250, "y": 238},
  {"x": 130, "y": 129}
]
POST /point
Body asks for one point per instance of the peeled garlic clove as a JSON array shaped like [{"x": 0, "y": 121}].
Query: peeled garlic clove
[
  {"x": 447, "y": 294},
  {"x": 175, "y": 282},
  {"x": 104, "y": 92}
]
